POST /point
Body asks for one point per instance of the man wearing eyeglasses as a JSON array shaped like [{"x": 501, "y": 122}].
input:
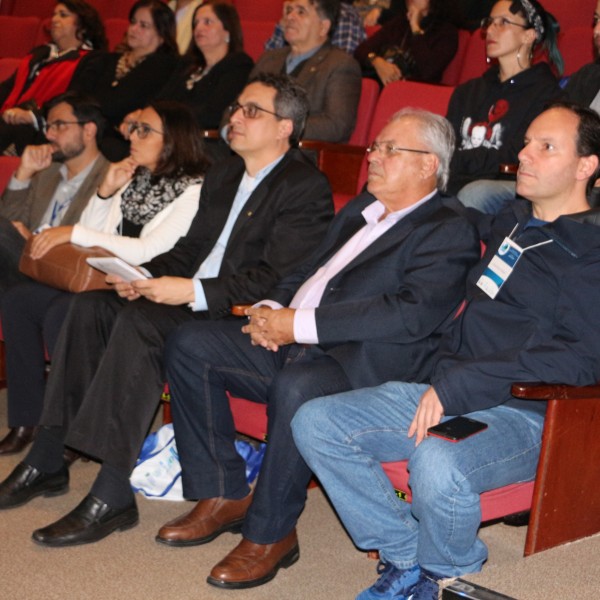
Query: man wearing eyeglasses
[
  {"x": 369, "y": 305},
  {"x": 261, "y": 212},
  {"x": 53, "y": 181},
  {"x": 330, "y": 76}
]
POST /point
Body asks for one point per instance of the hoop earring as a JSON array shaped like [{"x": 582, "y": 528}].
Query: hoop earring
[{"x": 519, "y": 58}]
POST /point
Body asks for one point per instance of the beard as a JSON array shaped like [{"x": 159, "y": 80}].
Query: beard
[{"x": 68, "y": 151}]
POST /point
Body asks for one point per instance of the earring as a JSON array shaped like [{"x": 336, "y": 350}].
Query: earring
[{"x": 227, "y": 39}]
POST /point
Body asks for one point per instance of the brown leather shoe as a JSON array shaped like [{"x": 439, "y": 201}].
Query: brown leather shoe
[
  {"x": 207, "y": 520},
  {"x": 17, "y": 439},
  {"x": 250, "y": 564}
]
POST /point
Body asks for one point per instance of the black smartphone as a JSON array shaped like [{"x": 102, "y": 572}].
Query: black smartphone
[{"x": 457, "y": 429}]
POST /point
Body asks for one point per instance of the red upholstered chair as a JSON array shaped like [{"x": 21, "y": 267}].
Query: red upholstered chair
[
  {"x": 563, "y": 499},
  {"x": 259, "y": 10},
  {"x": 256, "y": 33},
  {"x": 452, "y": 72},
  {"x": 115, "y": 31},
  {"x": 17, "y": 35},
  {"x": 8, "y": 67},
  {"x": 474, "y": 63},
  {"x": 369, "y": 95},
  {"x": 43, "y": 33},
  {"x": 30, "y": 8},
  {"x": 576, "y": 47}
]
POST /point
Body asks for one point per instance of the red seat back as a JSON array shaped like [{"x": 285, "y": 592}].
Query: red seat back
[
  {"x": 366, "y": 108},
  {"x": 17, "y": 35},
  {"x": 256, "y": 33}
]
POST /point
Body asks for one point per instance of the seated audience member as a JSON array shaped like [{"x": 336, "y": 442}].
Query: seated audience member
[
  {"x": 215, "y": 69},
  {"x": 75, "y": 30},
  {"x": 491, "y": 113},
  {"x": 584, "y": 85},
  {"x": 184, "y": 16},
  {"x": 53, "y": 181},
  {"x": 130, "y": 79},
  {"x": 369, "y": 305},
  {"x": 417, "y": 44},
  {"x": 330, "y": 77},
  {"x": 262, "y": 211},
  {"x": 538, "y": 326},
  {"x": 347, "y": 34},
  {"x": 144, "y": 204}
]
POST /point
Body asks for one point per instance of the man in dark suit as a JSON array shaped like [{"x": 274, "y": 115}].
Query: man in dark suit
[
  {"x": 261, "y": 212},
  {"x": 330, "y": 76},
  {"x": 368, "y": 306}
]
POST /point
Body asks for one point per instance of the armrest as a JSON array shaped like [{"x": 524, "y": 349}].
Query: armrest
[
  {"x": 340, "y": 162},
  {"x": 238, "y": 310},
  {"x": 546, "y": 391}
]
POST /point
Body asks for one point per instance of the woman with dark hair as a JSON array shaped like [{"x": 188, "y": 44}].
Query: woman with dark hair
[
  {"x": 417, "y": 44},
  {"x": 145, "y": 203},
  {"x": 215, "y": 67},
  {"x": 125, "y": 80},
  {"x": 491, "y": 113},
  {"x": 46, "y": 71}
]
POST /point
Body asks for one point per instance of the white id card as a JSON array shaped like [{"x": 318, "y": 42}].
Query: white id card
[{"x": 500, "y": 268}]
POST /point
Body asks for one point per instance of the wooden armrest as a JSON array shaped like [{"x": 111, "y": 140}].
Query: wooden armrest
[
  {"x": 508, "y": 169},
  {"x": 239, "y": 310},
  {"x": 210, "y": 134},
  {"x": 547, "y": 391},
  {"x": 340, "y": 162}
]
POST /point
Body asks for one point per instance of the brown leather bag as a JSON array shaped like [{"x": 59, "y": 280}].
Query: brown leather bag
[{"x": 64, "y": 267}]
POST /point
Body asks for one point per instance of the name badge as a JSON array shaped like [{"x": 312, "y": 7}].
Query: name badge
[{"x": 500, "y": 268}]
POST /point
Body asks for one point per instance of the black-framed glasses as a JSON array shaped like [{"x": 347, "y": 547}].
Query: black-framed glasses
[
  {"x": 387, "y": 149},
  {"x": 596, "y": 19},
  {"x": 500, "y": 22},
  {"x": 60, "y": 125},
  {"x": 251, "y": 110},
  {"x": 142, "y": 130}
]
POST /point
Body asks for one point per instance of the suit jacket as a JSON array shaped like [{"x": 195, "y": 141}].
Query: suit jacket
[
  {"x": 332, "y": 80},
  {"x": 381, "y": 317},
  {"x": 283, "y": 220},
  {"x": 30, "y": 205}
]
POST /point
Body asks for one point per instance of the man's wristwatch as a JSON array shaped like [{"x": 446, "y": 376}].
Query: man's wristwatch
[{"x": 372, "y": 56}]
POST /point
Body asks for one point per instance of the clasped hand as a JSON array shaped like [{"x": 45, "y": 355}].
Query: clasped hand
[{"x": 270, "y": 328}]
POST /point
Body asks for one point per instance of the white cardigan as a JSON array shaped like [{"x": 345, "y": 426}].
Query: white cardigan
[{"x": 99, "y": 222}]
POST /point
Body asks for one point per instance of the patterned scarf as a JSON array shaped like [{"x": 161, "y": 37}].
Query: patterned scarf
[{"x": 147, "y": 194}]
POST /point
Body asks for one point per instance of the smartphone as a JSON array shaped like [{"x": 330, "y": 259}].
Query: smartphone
[{"x": 457, "y": 428}]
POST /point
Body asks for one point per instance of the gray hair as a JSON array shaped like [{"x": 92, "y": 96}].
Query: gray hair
[{"x": 438, "y": 137}]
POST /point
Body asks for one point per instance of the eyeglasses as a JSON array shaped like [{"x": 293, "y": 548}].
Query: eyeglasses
[
  {"x": 251, "y": 110},
  {"x": 596, "y": 19},
  {"x": 142, "y": 130},
  {"x": 387, "y": 149},
  {"x": 60, "y": 125},
  {"x": 500, "y": 22}
]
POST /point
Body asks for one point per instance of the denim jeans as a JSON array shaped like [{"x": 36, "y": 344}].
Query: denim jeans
[
  {"x": 488, "y": 195},
  {"x": 344, "y": 437}
]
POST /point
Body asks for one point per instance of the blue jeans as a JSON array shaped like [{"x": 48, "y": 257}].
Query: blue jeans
[
  {"x": 343, "y": 438},
  {"x": 487, "y": 195}
]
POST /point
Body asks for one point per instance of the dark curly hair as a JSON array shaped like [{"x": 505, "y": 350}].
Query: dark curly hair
[{"x": 90, "y": 28}]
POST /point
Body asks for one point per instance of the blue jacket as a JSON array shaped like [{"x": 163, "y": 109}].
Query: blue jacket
[{"x": 542, "y": 325}]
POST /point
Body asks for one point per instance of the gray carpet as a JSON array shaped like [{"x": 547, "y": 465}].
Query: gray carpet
[{"x": 131, "y": 565}]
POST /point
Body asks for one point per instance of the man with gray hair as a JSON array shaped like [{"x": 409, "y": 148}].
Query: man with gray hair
[{"x": 370, "y": 304}]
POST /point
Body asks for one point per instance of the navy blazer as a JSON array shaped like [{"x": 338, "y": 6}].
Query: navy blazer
[
  {"x": 383, "y": 315},
  {"x": 281, "y": 223}
]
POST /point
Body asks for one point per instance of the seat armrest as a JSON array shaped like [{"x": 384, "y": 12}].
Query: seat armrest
[
  {"x": 546, "y": 391},
  {"x": 239, "y": 310}
]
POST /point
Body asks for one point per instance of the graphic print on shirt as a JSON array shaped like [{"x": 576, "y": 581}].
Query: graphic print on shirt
[{"x": 488, "y": 133}]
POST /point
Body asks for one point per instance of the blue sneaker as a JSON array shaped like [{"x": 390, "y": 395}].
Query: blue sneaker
[
  {"x": 426, "y": 588},
  {"x": 393, "y": 583}
]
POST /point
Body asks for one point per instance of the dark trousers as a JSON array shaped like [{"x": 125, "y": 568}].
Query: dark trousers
[
  {"x": 11, "y": 247},
  {"x": 32, "y": 315},
  {"x": 203, "y": 360},
  {"x": 106, "y": 378}
]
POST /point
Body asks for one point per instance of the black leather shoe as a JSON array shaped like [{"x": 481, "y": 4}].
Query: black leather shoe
[
  {"x": 17, "y": 439},
  {"x": 88, "y": 522},
  {"x": 26, "y": 482}
]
